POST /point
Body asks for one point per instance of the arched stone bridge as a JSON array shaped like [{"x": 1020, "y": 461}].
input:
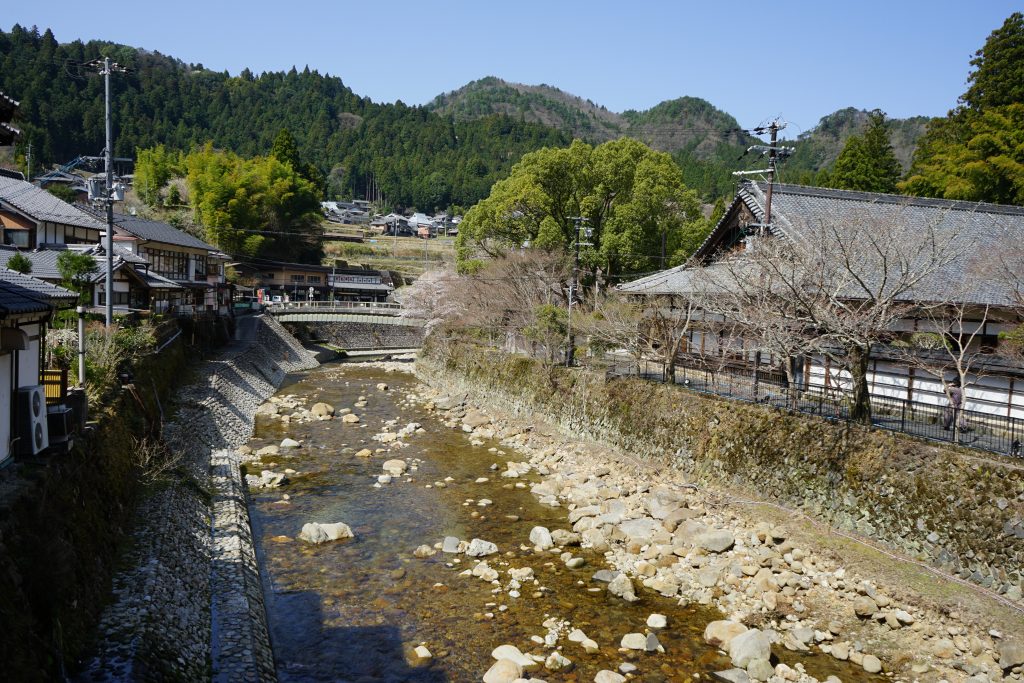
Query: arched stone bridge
[{"x": 352, "y": 325}]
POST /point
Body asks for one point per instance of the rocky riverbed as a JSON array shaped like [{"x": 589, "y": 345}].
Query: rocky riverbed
[
  {"x": 691, "y": 544},
  {"x": 407, "y": 536}
]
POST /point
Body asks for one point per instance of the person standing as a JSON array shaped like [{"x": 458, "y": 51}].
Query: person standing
[{"x": 955, "y": 396}]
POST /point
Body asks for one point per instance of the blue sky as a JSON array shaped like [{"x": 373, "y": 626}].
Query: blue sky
[{"x": 798, "y": 60}]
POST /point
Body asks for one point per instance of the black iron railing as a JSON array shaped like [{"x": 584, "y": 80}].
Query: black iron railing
[{"x": 974, "y": 429}]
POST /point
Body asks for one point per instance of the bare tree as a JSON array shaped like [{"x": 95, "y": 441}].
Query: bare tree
[
  {"x": 671, "y": 319},
  {"x": 950, "y": 345},
  {"x": 836, "y": 283},
  {"x": 519, "y": 298},
  {"x": 615, "y": 323}
]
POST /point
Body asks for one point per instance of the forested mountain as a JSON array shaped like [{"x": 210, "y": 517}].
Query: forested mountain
[
  {"x": 818, "y": 148},
  {"x": 705, "y": 141},
  {"x": 414, "y": 157},
  {"x": 545, "y": 104},
  {"x": 446, "y": 153}
]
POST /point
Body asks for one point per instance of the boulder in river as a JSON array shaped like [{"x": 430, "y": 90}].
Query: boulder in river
[
  {"x": 350, "y": 418},
  {"x": 479, "y": 548},
  {"x": 622, "y": 586},
  {"x": 315, "y": 532},
  {"x": 450, "y": 545},
  {"x": 513, "y": 654},
  {"x": 322, "y": 410},
  {"x": 634, "y": 641},
  {"x": 563, "y": 537},
  {"x": 503, "y": 671},
  {"x": 290, "y": 443},
  {"x": 395, "y": 468},
  {"x": 540, "y": 537},
  {"x": 748, "y": 646},
  {"x": 720, "y": 633},
  {"x": 266, "y": 480}
]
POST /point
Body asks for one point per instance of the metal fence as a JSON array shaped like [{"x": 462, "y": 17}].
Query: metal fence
[{"x": 984, "y": 431}]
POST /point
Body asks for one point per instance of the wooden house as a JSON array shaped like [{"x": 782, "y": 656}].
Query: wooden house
[
  {"x": 26, "y": 305},
  {"x": 977, "y": 318}
]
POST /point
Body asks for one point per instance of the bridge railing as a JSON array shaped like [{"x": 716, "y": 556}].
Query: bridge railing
[{"x": 375, "y": 307}]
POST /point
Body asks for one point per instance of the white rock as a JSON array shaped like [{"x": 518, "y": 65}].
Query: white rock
[
  {"x": 657, "y": 621},
  {"x": 322, "y": 533},
  {"x": 422, "y": 652},
  {"x": 577, "y": 636},
  {"x": 606, "y": 676},
  {"x": 395, "y": 468},
  {"x": 557, "y": 662},
  {"x": 634, "y": 641},
  {"x": 748, "y": 646},
  {"x": 503, "y": 671},
  {"x": 480, "y": 548},
  {"x": 290, "y": 443},
  {"x": 485, "y": 572},
  {"x": 540, "y": 537},
  {"x": 622, "y": 586},
  {"x": 513, "y": 654}
]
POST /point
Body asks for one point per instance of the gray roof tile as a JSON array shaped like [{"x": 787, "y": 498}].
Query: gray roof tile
[
  {"x": 155, "y": 231},
  {"x": 26, "y": 294},
  {"x": 40, "y": 205},
  {"x": 798, "y": 210}
]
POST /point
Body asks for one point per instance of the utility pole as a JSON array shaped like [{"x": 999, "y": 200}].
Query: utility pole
[
  {"x": 106, "y": 67},
  {"x": 28, "y": 162},
  {"x": 773, "y": 153},
  {"x": 578, "y": 222}
]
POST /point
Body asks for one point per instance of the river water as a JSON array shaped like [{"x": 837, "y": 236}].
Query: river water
[{"x": 354, "y": 610}]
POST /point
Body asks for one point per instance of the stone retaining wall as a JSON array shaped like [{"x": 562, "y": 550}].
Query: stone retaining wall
[
  {"x": 356, "y": 336},
  {"x": 190, "y": 605},
  {"x": 959, "y": 511}
]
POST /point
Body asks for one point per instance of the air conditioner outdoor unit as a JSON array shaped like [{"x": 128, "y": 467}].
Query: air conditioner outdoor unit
[{"x": 32, "y": 433}]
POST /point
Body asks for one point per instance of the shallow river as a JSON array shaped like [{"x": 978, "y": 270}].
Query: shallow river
[{"x": 354, "y": 610}]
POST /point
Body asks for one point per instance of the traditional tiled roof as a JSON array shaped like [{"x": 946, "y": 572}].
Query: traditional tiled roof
[
  {"x": 40, "y": 205},
  {"x": 8, "y": 133},
  {"x": 799, "y": 212},
  {"x": 25, "y": 294},
  {"x": 44, "y": 261},
  {"x": 8, "y": 105},
  {"x": 157, "y": 231}
]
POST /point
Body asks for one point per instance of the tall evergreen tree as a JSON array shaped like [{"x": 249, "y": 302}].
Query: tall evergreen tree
[
  {"x": 867, "y": 162},
  {"x": 976, "y": 152},
  {"x": 998, "y": 76}
]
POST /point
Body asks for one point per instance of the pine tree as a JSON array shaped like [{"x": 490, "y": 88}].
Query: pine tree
[{"x": 867, "y": 162}]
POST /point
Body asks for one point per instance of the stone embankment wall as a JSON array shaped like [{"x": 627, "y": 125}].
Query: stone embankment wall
[
  {"x": 958, "y": 510},
  {"x": 356, "y": 336},
  {"x": 62, "y": 521},
  {"x": 190, "y": 605}
]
